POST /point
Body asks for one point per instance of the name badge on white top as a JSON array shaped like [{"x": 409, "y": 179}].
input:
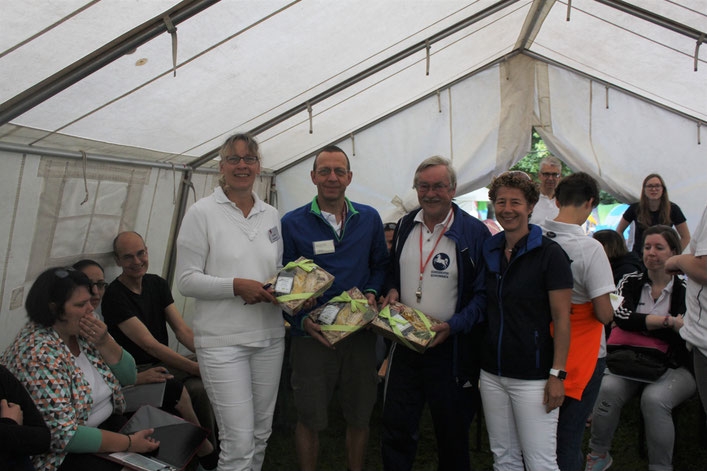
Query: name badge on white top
[
  {"x": 273, "y": 234},
  {"x": 321, "y": 247}
]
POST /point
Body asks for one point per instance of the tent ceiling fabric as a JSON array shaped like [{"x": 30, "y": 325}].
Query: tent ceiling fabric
[
  {"x": 67, "y": 41},
  {"x": 242, "y": 63}
]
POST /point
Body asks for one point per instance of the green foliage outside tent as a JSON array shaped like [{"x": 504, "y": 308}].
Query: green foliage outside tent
[{"x": 531, "y": 162}]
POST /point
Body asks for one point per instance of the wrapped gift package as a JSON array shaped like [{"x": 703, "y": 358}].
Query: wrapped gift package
[
  {"x": 299, "y": 281},
  {"x": 343, "y": 315},
  {"x": 405, "y": 325}
]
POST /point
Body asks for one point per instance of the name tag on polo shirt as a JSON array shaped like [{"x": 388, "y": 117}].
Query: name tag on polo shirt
[
  {"x": 273, "y": 234},
  {"x": 321, "y": 247}
]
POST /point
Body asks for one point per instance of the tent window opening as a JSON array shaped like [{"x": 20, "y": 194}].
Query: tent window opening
[{"x": 67, "y": 230}]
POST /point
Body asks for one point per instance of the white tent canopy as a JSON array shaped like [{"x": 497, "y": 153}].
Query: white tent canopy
[{"x": 615, "y": 88}]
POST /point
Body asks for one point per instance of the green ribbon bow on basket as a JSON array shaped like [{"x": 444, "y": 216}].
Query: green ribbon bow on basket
[
  {"x": 306, "y": 265},
  {"x": 356, "y": 305},
  {"x": 385, "y": 314}
]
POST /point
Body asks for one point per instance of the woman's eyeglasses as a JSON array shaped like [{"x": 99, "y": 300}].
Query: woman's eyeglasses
[{"x": 236, "y": 159}]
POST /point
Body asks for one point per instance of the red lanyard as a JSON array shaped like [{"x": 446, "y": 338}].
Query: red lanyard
[{"x": 423, "y": 266}]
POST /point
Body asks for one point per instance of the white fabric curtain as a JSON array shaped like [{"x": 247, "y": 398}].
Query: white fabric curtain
[{"x": 485, "y": 126}]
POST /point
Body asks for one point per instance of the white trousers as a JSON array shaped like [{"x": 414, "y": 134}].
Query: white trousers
[
  {"x": 519, "y": 428},
  {"x": 242, "y": 384}
]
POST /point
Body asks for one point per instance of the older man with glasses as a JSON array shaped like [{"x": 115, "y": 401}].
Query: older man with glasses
[
  {"x": 436, "y": 267},
  {"x": 549, "y": 176}
]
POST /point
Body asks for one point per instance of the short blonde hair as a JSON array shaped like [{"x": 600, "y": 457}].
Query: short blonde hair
[{"x": 227, "y": 148}]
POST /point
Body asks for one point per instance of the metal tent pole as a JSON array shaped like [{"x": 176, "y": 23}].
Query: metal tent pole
[
  {"x": 420, "y": 46},
  {"x": 67, "y": 154},
  {"x": 96, "y": 60},
  {"x": 654, "y": 18}
]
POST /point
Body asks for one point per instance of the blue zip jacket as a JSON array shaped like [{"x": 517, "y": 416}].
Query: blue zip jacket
[
  {"x": 469, "y": 235},
  {"x": 518, "y": 343},
  {"x": 360, "y": 254}
]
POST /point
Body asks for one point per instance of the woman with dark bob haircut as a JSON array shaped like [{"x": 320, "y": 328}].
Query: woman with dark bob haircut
[
  {"x": 73, "y": 369},
  {"x": 622, "y": 261},
  {"x": 528, "y": 287}
]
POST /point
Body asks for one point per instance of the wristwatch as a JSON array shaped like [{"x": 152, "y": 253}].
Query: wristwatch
[
  {"x": 666, "y": 321},
  {"x": 560, "y": 374}
]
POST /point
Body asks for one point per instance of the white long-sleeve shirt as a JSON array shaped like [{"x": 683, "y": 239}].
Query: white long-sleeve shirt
[{"x": 216, "y": 244}]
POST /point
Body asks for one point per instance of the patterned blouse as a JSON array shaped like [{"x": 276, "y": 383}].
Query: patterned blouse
[{"x": 47, "y": 369}]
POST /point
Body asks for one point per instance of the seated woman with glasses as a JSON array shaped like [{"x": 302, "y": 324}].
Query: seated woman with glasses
[
  {"x": 652, "y": 209},
  {"x": 73, "y": 369}
]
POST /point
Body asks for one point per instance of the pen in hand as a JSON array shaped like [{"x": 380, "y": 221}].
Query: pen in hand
[{"x": 265, "y": 286}]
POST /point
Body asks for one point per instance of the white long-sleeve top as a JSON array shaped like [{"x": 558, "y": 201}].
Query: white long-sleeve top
[{"x": 216, "y": 244}]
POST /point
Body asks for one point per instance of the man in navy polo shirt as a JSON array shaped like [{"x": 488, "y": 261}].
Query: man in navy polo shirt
[{"x": 346, "y": 239}]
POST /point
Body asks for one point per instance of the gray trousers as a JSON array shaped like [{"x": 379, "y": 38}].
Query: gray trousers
[{"x": 657, "y": 402}]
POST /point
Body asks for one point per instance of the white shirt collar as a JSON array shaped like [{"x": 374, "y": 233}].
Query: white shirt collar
[
  {"x": 667, "y": 290},
  {"x": 221, "y": 198},
  {"x": 562, "y": 227},
  {"x": 419, "y": 218}
]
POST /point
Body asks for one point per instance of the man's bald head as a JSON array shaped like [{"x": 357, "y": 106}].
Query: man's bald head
[
  {"x": 123, "y": 235},
  {"x": 130, "y": 253}
]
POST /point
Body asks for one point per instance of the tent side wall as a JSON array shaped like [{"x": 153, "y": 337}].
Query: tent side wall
[
  {"x": 46, "y": 224},
  {"x": 482, "y": 124}
]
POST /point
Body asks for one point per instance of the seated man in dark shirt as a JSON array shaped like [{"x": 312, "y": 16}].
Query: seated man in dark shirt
[{"x": 137, "y": 307}]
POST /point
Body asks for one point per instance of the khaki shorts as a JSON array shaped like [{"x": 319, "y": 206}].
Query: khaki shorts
[{"x": 318, "y": 371}]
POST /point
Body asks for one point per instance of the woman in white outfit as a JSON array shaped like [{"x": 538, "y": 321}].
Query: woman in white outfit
[{"x": 228, "y": 246}]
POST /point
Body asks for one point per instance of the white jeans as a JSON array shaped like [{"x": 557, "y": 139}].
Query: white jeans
[
  {"x": 242, "y": 384},
  {"x": 519, "y": 428}
]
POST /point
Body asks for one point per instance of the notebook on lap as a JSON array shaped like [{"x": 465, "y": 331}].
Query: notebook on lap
[{"x": 179, "y": 441}]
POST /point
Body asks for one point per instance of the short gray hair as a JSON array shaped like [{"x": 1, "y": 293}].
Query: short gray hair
[
  {"x": 552, "y": 161},
  {"x": 433, "y": 162}
]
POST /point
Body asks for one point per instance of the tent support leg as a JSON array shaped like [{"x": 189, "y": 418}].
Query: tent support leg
[{"x": 171, "y": 260}]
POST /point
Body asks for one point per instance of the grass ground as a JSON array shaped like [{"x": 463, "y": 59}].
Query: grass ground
[{"x": 690, "y": 453}]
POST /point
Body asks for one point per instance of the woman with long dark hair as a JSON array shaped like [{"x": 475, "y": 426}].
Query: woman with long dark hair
[{"x": 654, "y": 208}]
